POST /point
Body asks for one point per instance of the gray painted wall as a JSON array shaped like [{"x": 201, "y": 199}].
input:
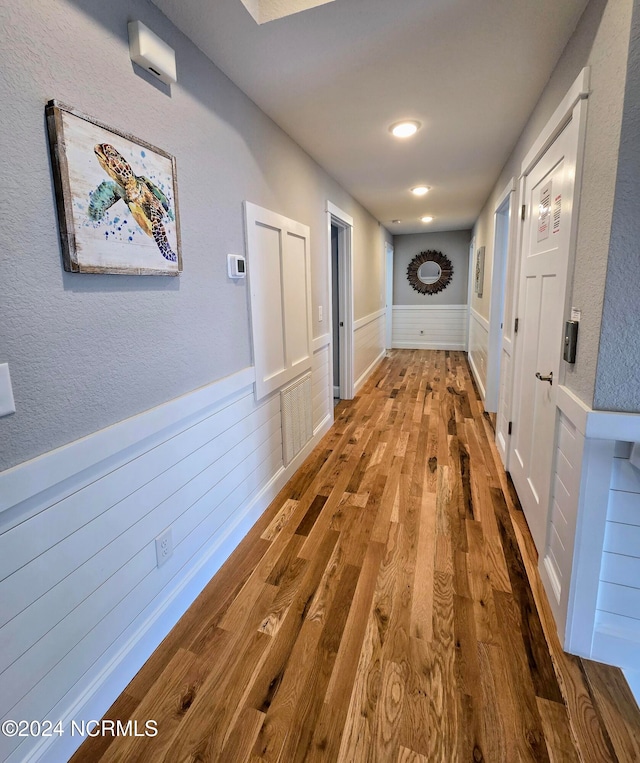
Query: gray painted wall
[
  {"x": 601, "y": 42},
  {"x": 86, "y": 351},
  {"x": 453, "y": 244},
  {"x": 618, "y": 377}
]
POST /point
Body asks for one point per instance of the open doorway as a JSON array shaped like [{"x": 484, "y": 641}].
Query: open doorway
[
  {"x": 335, "y": 308},
  {"x": 340, "y": 271},
  {"x": 502, "y": 227},
  {"x": 501, "y": 339}
]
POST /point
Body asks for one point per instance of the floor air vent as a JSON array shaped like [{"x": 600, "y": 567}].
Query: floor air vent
[{"x": 297, "y": 423}]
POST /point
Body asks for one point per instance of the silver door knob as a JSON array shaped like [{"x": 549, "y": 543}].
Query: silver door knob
[{"x": 545, "y": 378}]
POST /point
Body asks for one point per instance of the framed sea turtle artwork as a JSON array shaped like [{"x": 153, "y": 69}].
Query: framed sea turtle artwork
[{"x": 116, "y": 197}]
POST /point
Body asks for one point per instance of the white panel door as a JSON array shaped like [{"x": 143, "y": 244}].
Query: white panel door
[
  {"x": 548, "y": 195},
  {"x": 279, "y": 271}
]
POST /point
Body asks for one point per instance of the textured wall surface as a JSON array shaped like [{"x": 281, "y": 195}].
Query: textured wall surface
[
  {"x": 453, "y": 244},
  {"x": 601, "y": 42},
  {"x": 618, "y": 377},
  {"x": 86, "y": 351}
]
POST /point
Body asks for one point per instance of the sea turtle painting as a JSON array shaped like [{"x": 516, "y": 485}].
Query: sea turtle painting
[{"x": 145, "y": 201}]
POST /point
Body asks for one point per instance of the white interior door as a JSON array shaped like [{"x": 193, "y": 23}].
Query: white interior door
[
  {"x": 502, "y": 221},
  {"x": 505, "y": 219},
  {"x": 548, "y": 192}
]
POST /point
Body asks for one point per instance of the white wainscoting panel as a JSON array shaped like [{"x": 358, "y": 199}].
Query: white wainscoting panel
[
  {"x": 617, "y": 628},
  {"x": 430, "y": 327},
  {"x": 478, "y": 348},
  {"x": 83, "y": 602},
  {"x": 369, "y": 346},
  {"x": 557, "y": 559},
  {"x": 321, "y": 387},
  {"x": 590, "y": 567},
  {"x": 297, "y": 417}
]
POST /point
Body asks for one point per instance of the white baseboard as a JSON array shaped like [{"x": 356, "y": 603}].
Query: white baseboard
[
  {"x": 429, "y": 346},
  {"x": 615, "y": 649},
  {"x": 476, "y": 376},
  {"x": 363, "y": 378}
]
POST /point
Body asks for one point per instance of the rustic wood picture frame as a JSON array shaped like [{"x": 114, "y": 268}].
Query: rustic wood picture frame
[
  {"x": 446, "y": 272},
  {"x": 479, "y": 274},
  {"x": 116, "y": 198}
]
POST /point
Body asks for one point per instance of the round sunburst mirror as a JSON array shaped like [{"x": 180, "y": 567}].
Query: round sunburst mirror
[{"x": 430, "y": 272}]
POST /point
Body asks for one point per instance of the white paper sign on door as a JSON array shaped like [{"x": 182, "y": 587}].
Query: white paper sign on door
[{"x": 544, "y": 210}]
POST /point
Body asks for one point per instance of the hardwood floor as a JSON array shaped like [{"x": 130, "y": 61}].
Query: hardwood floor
[{"x": 386, "y": 607}]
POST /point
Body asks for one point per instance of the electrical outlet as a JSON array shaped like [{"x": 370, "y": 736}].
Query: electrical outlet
[{"x": 164, "y": 547}]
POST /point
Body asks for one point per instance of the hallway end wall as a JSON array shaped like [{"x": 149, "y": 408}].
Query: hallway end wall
[{"x": 431, "y": 321}]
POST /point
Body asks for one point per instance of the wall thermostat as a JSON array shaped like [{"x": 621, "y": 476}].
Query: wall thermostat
[{"x": 236, "y": 266}]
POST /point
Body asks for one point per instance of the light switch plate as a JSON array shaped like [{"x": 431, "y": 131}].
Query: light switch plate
[
  {"x": 7, "y": 403},
  {"x": 319, "y": 313}
]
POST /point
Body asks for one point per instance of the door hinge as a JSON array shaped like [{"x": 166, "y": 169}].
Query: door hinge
[
  {"x": 515, "y": 327},
  {"x": 510, "y": 427},
  {"x": 524, "y": 212}
]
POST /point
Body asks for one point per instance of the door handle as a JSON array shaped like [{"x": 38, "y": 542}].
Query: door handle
[{"x": 545, "y": 378}]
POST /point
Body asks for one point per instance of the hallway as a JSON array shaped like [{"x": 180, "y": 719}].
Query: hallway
[{"x": 380, "y": 610}]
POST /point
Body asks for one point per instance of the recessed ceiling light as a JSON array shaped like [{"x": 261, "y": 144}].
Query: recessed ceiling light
[
  {"x": 426, "y": 219},
  {"x": 405, "y": 129},
  {"x": 420, "y": 190},
  {"x": 396, "y": 221}
]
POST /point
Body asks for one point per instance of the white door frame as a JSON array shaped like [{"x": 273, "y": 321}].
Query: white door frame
[
  {"x": 501, "y": 255},
  {"x": 472, "y": 251},
  {"x": 388, "y": 248},
  {"x": 572, "y": 107},
  {"x": 344, "y": 223},
  {"x": 507, "y": 342}
]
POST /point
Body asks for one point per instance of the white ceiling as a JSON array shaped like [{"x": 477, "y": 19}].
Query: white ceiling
[{"x": 336, "y": 76}]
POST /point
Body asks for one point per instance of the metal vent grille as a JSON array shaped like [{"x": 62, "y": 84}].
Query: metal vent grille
[{"x": 297, "y": 422}]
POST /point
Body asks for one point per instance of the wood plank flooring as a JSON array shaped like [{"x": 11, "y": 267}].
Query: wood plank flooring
[{"x": 386, "y": 607}]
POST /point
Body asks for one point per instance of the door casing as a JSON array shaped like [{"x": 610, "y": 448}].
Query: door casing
[{"x": 344, "y": 223}]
